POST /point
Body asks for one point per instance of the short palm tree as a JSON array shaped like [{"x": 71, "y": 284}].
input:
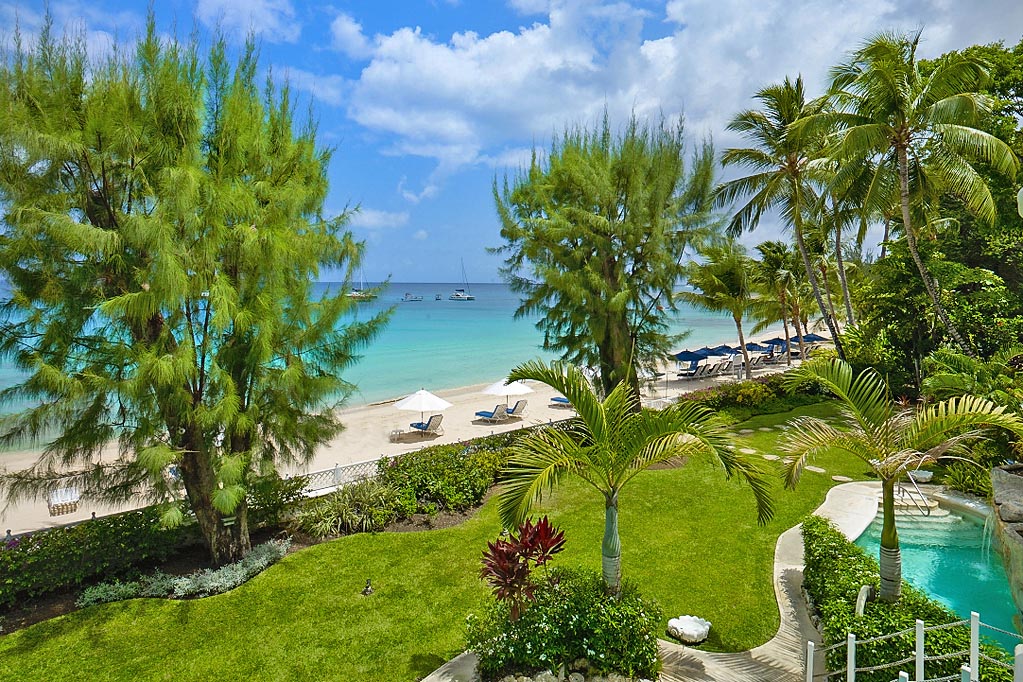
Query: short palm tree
[
  {"x": 773, "y": 274},
  {"x": 609, "y": 443},
  {"x": 724, "y": 283},
  {"x": 887, "y": 438},
  {"x": 786, "y": 166},
  {"x": 919, "y": 128}
]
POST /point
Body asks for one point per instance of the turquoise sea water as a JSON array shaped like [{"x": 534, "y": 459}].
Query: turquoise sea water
[
  {"x": 946, "y": 558},
  {"x": 447, "y": 344}
]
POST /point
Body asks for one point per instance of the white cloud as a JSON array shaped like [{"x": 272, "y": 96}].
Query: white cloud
[
  {"x": 421, "y": 235},
  {"x": 373, "y": 219},
  {"x": 348, "y": 37},
  {"x": 530, "y": 6},
  {"x": 272, "y": 20},
  {"x": 329, "y": 89}
]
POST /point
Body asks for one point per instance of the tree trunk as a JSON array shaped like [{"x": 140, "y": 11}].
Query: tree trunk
[
  {"x": 884, "y": 239},
  {"x": 840, "y": 264},
  {"x": 799, "y": 337},
  {"x": 611, "y": 547},
  {"x": 925, "y": 274},
  {"x": 890, "y": 559},
  {"x": 788, "y": 344},
  {"x": 797, "y": 221},
  {"x": 226, "y": 538},
  {"x": 830, "y": 299},
  {"x": 742, "y": 348}
]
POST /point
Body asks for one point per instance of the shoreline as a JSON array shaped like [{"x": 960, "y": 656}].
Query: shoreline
[{"x": 368, "y": 427}]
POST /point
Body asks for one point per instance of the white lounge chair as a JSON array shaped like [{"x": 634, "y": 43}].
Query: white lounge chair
[
  {"x": 498, "y": 414},
  {"x": 430, "y": 426},
  {"x": 519, "y": 411}
]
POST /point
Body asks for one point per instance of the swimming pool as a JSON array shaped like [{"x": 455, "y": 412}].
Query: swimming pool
[{"x": 944, "y": 556}]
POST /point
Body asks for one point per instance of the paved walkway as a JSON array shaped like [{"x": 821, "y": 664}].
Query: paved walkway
[{"x": 851, "y": 506}]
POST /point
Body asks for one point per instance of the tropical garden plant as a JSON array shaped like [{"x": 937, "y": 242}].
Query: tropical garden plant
[
  {"x": 891, "y": 440},
  {"x": 920, "y": 128},
  {"x": 607, "y": 445},
  {"x": 786, "y": 167}
]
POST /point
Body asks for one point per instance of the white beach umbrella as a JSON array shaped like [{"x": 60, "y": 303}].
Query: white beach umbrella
[
  {"x": 422, "y": 401},
  {"x": 506, "y": 389}
]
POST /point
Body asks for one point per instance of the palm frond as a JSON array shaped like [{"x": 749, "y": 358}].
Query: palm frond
[{"x": 536, "y": 463}]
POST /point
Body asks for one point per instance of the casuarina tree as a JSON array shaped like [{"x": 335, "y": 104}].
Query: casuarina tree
[{"x": 164, "y": 228}]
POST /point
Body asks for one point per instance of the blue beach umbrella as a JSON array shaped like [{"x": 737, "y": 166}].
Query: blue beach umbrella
[
  {"x": 814, "y": 338},
  {"x": 723, "y": 348},
  {"x": 756, "y": 347},
  {"x": 690, "y": 355}
]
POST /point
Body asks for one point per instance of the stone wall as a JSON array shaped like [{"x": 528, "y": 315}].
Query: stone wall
[{"x": 1007, "y": 489}]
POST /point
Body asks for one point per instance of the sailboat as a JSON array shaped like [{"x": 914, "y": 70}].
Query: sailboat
[
  {"x": 462, "y": 294},
  {"x": 360, "y": 293}
]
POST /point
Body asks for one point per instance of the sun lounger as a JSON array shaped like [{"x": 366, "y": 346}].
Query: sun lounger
[
  {"x": 560, "y": 401},
  {"x": 498, "y": 414},
  {"x": 431, "y": 426},
  {"x": 519, "y": 410}
]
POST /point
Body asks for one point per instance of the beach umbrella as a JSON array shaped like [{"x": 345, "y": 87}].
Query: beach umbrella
[
  {"x": 777, "y": 341},
  {"x": 690, "y": 355},
  {"x": 506, "y": 389},
  {"x": 756, "y": 347},
  {"x": 422, "y": 401},
  {"x": 814, "y": 338},
  {"x": 723, "y": 348}
]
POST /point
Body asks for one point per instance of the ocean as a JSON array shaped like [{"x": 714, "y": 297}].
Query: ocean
[{"x": 446, "y": 344}]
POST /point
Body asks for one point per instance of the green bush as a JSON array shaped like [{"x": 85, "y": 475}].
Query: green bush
[
  {"x": 111, "y": 546},
  {"x": 738, "y": 401},
  {"x": 272, "y": 499},
  {"x": 572, "y": 617},
  {"x": 835, "y": 570},
  {"x": 968, "y": 478},
  {"x": 452, "y": 477},
  {"x": 363, "y": 507},
  {"x": 199, "y": 584}
]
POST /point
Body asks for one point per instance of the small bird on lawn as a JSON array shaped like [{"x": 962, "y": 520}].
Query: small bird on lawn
[{"x": 368, "y": 589}]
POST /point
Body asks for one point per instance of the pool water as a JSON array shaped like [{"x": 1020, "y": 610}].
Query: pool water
[{"x": 944, "y": 556}]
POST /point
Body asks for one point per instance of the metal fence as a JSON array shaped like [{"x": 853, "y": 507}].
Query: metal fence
[
  {"x": 327, "y": 481},
  {"x": 968, "y": 672}
]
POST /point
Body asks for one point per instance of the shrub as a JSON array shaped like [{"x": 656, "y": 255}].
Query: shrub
[
  {"x": 740, "y": 400},
  {"x": 363, "y": 507},
  {"x": 835, "y": 570},
  {"x": 111, "y": 546},
  {"x": 272, "y": 499},
  {"x": 572, "y": 617},
  {"x": 199, "y": 584},
  {"x": 968, "y": 478},
  {"x": 452, "y": 477},
  {"x": 508, "y": 564}
]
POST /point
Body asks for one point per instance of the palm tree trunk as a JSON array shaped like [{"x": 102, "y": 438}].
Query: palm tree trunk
[
  {"x": 611, "y": 547},
  {"x": 850, "y": 320},
  {"x": 925, "y": 274},
  {"x": 797, "y": 221},
  {"x": 890, "y": 559},
  {"x": 830, "y": 297},
  {"x": 799, "y": 336},
  {"x": 742, "y": 347},
  {"x": 783, "y": 301},
  {"x": 884, "y": 239}
]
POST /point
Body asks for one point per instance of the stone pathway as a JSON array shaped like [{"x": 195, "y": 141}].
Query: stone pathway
[
  {"x": 816, "y": 470},
  {"x": 851, "y": 507},
  {"x": 747, "y": 451}
]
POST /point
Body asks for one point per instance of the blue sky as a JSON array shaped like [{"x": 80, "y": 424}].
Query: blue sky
[{"x": 427, "y": 101}]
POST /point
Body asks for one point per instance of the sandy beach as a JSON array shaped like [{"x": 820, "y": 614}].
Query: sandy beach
[{"x": 368, "y": 434}]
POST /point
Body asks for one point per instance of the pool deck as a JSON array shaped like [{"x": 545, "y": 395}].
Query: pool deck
[{"x": 851, "y": 507}]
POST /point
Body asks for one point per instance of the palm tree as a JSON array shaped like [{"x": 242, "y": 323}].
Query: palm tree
[
  {"x": 607, "y": 446},
  {"x": 887, "y": 438},
  {"x": 919, "y": 127},
  {"x": 948, "y": 373},
  {"x": 785, "y": 168},
  {"x": 723, "y": 283},
  {"x": 773, "y": 274}
]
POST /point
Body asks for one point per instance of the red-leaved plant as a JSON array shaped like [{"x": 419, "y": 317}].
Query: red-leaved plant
[{"x": 507, "y": 564}]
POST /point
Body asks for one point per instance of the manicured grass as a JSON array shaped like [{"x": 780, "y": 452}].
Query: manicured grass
[{"x": 689, "y": 539}]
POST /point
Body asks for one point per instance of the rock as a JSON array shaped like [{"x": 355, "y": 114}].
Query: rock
[
  {"x": 579, "y": 664},
  {"x": 615, "y": 677},
  {"x": 689, "y": 629},
  {"x": 576, "y": 677},
  {"x": 764, "y": 428},
  {"x": 772, "y": 458},
  {"x": 841, "y": 479},
  {"x": 546, "y": 676},
  {"x": 1011, "y": 512},
  {"x": 1006, "y": 487},
  {"x": 816, "y": 470},
  {"x": 746, "y": 431},
  {"x": 921, "y": 475},
  {"x": 747, "y": 451}
]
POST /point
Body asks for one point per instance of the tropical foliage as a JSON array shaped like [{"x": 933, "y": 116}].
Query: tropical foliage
[
  {"x": 164, "y": 227},
  {"x": 609, "y": 443},
  {"x": 595, "y": 232},
  {"x": 888, "y": 439}
]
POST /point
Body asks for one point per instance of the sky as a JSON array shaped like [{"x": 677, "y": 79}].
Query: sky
[{"x": 426, "y": 102}]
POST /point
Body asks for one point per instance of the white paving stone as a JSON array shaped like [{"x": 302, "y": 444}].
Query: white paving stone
[
  {"x": 816, "y": 470},
  {"x": 747, "y": 451}
]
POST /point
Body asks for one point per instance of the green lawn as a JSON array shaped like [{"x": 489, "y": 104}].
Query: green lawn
[{"x": 689, "y": 539}]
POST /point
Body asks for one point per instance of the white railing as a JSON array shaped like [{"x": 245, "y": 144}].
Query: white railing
[
  {"x": 328, "y": 480},
  {"x": 969, "y": 672}
]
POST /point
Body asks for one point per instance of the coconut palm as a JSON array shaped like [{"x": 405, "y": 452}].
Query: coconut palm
[
  {"x": 724, "y": 283},
  {"x": 889, "y": 439},
  {"x": 609, "y": 443},
  {"x": 998, "y": 378},
  {"x": 773, "y": 273},
  {"x": 785, "y": 169},
  {"x": 918, "y": 127}
]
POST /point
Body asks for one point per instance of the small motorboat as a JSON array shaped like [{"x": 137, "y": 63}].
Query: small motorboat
[{"x": 409, "y": 298}]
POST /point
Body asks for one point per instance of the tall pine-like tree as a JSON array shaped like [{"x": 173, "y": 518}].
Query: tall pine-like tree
[
  {"x": 163, "y": 232},
  {"x": 595, "y": 234}
]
